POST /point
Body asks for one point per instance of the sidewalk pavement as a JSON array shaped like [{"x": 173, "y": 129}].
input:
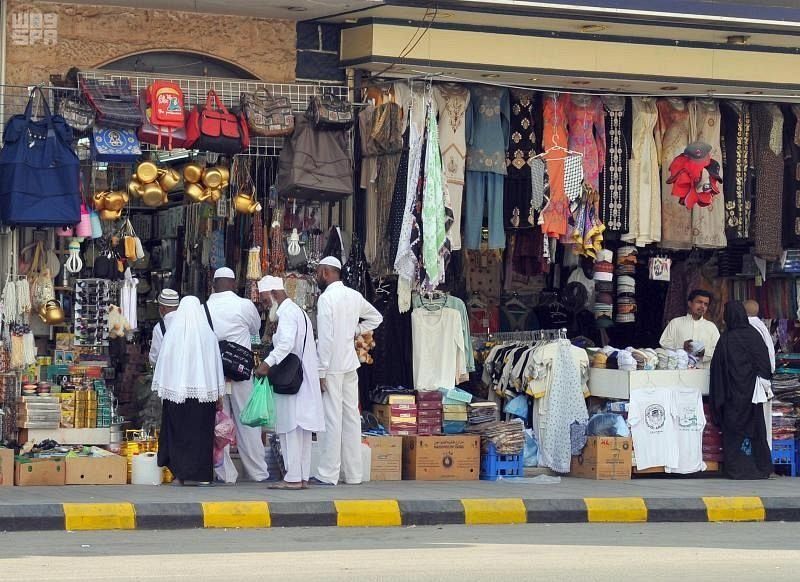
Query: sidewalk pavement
[{"x": 399, "y": 503}]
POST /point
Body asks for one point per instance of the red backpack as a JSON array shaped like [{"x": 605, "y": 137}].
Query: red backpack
[{"x": 165, "y": 108}]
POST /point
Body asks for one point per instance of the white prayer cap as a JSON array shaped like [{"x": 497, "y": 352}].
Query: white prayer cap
[
  {"x": 224, "y": 273},
  {"x": 169, "y": 298},
  {"x": 332, "y": 262},
  {"x": 269, "y": 283}
]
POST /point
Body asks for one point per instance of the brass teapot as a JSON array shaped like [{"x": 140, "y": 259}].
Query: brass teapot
[
  {"x": 246, "y": 203},
  {"x": 51, "y": 313},
  {"x": 205, "y": 184},
  {"x": 168, "y": 179},
  {"x": 153, "y": 195}
]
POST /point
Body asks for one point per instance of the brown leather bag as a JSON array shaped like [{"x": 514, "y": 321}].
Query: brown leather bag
[{"x": 268, "y": 116}]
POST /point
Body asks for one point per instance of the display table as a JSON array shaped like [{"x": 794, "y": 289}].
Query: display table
[
  {"x": 618, "y": 384},
  {"x": 67, "y": 436}
]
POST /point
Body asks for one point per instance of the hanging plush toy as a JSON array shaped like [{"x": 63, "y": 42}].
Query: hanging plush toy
[
  {"x": 695, "y": 176},
  {"x": 364, "y": 343},
  {"x": 118, "y": 325}
]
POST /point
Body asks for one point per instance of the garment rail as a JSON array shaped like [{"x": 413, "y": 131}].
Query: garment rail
[{"x": 522, "y": 336}]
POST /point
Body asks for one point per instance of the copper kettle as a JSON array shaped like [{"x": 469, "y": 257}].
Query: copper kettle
[
  {"x": 51, "y": 313},
  {"x": 246, "y": 204}
]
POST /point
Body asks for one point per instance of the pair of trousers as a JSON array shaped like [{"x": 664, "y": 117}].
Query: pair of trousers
[
  {"x": 248, "y": 439},
  {"x": 484, "y": 192},
  {"x": 340, "y": 444},
  {"x": 296, "y": 451}
]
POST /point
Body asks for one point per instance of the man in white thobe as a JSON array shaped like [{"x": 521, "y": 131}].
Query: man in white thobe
[
  {"x": 168, "y": 301},
  {"x": 237, "y": 320},
  {"x": 342, "y": 315},
  {"x": 298, "y": 415},
  {"x": 693, "y": 332},
  {"x": 763, "y": 392}
]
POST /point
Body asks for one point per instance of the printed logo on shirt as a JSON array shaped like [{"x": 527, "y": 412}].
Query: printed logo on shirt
[
  {"x": 687, "y": 420},
  {"x": 655, "y": 416}
]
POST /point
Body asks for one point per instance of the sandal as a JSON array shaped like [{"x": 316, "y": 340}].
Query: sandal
[{"x": 285, "y": 486}]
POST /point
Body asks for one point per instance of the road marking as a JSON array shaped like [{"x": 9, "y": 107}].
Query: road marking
[
  {"x": 368, "y": 513},
  {"x": 494, "y": 511},
  {"x": 616, "y": 509},
  {"x": 734, "y": 508},
  {"x": 236, "y": 514},
  {"x": 99, "y": 516}
]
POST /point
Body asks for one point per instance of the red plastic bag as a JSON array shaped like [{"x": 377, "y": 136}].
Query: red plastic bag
[{"x": 224, "y": 435}]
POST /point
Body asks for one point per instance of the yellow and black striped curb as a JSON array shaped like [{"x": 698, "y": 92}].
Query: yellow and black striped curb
[{"x": 392, "y": 512}]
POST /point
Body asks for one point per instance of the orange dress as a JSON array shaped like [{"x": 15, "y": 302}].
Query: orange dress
[{"x": 556, "y": 214}]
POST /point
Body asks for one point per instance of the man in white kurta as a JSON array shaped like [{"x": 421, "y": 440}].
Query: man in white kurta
[
  {"x": 342, "y": 315},
  {"x": 693, "y": 330},
  {"x": 298, "y": 415},
  {"x": 763, "y": 393},
  {"x": 168, "y": 301},
  {"x": 237, "y": 320}
]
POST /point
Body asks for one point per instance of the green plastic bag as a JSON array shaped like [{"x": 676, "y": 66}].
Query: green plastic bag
[{"x": 260, "y": 409}]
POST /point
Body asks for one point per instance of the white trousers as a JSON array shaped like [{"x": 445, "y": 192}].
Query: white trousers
[
  {"x": 456, "y": 191},
  {"x": 248, "y": 439},
  {"x": 768, "y": 421},
  {"x": 296, "y": 451},
  {"x": 340, "y": 444}
]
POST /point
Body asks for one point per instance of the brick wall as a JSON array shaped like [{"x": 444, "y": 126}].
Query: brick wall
[{"x": 318, "y": 53}]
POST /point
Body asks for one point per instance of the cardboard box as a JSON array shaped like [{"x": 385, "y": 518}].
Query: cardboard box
[
  {"x": 29, "y": 472},
  {"x": 605, "y": 458},
  {"x": 402, "y": 399},
  {"x": 454, "y": 408},
  {"x": 111, "y": 470},
  {"x": 388, "y": 414},
  {"x": 387, "y": 458},
  {"x": 6, "y": 467},
  {"x": 441, "y": 458},
  {"x": 429, "y": 405},
  {"x": 460, "y": 416}
]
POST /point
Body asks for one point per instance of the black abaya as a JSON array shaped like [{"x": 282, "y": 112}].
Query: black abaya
[
  {"x": 186, "y": 440},
  {"x": 740, "y": 357}
]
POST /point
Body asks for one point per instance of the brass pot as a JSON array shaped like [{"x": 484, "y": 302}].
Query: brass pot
[
  {"x": 135, "y": 189},
  {"x": 147, "y": 172},
  {"x": 192, "y": 173},
  {"x": 116, "y": 200},
  {"x": 110, "y": 215},
  {"x": 195, "y": 192},
  {"x": 99, "y": 200},
  {"x": 226, "y": 174},
  {"x": 153, "y": 195},
  {"x": 212, "y": 177},
  {"x": 214, "y": 194},
  {"x": 51, "y": 313},
  {"x": 245, "y": 204},
  {"x": 169, "y": 179}
]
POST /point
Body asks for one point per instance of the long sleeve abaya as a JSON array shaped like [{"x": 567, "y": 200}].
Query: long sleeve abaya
[{"x": 739, "y": 358}]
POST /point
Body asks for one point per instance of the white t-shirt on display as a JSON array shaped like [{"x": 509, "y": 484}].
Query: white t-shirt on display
[
  {"x": 653, "y": 428},
  {"x": 690, "y": 420},
  {"x": 438, "y": 348}
]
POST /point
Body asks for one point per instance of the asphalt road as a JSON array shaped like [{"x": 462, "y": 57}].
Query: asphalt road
[{"x": 586, "y": 552}]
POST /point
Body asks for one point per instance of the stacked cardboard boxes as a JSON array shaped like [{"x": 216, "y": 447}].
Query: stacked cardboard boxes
[
  {"x": 38, "y": 412},
  {"x": 399, "y": 416},
  {"x": 85, "y": 409},
  {"x": 606, "y": 458},
  {"x": 429, "y": 413}
]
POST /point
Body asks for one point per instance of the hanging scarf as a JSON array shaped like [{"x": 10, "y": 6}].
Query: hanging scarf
[{"x": 433, "y": 213}]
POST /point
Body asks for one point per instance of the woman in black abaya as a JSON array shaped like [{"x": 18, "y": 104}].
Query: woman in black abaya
[{"x": 740, "y": 357}]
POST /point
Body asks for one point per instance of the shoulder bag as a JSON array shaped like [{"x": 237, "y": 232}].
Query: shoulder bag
[
  {"x": 329, "y": 112},
  {"x": 212, "y": 128},
  {"x": 268, "y": 116},
  {"x": 113, "y": 102},
  {"x": 286, "y": 376},
  {"x": 237, "y": 360},
  {"x": 114, "y": 145}
]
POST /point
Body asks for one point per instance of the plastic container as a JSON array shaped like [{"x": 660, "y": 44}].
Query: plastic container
[
  {"x": 494, "y": 466},
  {"x": 145, "y": 470},
  {"x": 784, "y": 454}
]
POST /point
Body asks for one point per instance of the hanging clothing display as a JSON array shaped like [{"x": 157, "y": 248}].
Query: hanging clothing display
[
  {"x": 452, "y": 101},
  {"x": 645, "y": 181},
  {"x": 369, "y": 173},
  {"x": 438, "y": 348},
  {"x": 587, "y": 134},
  {"x": 518, "y": 210},
  {"x": 768, "y": 163},
  {"x": 437, "y": 301},
  {"x": 615, "y": 177},
  {"x": 791, "y": 201},
  {"x": 673, "y": 137},
  {"x": 708, "y": 224},
  {"x": 736, "y": 169},
  {"x": 387, "y": 133},
  {"x": 434, "y": 232},
  {"x": 487, "y": 132},
  {"x": 556, "y": 213}
]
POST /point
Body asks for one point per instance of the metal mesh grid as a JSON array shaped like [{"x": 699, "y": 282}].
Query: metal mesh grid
[
  {"x": 195, "y": 90},
  {"x": 14, "y": 99}
]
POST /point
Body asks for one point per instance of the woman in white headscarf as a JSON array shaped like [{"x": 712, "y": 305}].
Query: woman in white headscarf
[{"x": 189, "y": 379}]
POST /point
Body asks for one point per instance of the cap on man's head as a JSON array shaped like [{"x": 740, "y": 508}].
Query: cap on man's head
[
  {"x": 270, "y": 283},
  {"x": 169, "y": 298},
  {"x": 224, "y": 273},
  {"x": 331, "y": 262}
]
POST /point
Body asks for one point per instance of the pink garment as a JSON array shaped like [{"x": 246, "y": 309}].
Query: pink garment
[{"x": 587, "y": 136}]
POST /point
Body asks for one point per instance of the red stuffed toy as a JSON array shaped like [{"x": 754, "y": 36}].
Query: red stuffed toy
[{"x": 694, "y": 176}]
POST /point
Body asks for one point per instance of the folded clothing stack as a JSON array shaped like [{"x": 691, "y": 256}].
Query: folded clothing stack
[
  {"x": 626, "y": 285},
  {"x": 508, "y": 438},
  {"x": 603, "y": 308},
  {"x": 481, "y": 411}
]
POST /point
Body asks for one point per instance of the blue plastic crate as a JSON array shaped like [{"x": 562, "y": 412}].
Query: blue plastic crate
[
  {"x": 494, "y": 466},
  {"x": 784, "y": 455}
]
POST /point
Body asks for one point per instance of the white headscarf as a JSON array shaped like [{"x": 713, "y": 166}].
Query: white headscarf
[{"x": 189, "y": 364}]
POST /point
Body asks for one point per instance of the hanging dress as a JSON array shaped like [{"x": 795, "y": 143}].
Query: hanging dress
[
  {"x": 708, "y": 223},
  {"x": 737, "y": 171},
  {"x": 615, "y": 177},
  {"x": 645, "y": 183},
  {"x": 673, "y": 131},
  {"x": 768, "y": 163},
  {"x": 791, "y": 223},
  {"x": 587, "y": 134},
  {"x": 556, "y": 213},
  {"x": 521, "y": 149}
]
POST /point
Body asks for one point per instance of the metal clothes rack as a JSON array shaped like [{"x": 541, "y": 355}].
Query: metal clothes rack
[{"x": 523, "y": 336}]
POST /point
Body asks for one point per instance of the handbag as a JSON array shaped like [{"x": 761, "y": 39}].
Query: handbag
[
  {"x": 113, "y": 102},
  {"x": 159, "y": 136},
  {"x": 286, "y": 376},
  {"x": 212, "y": 128},
  {"x": 39, "y": 170},
  {"x": 78, "y": 115},
  {"x": 39, "y": 279},
  {"x": 266, "y": 115},
  {"x": 115, "y": 145},
  {"x": 330, "y": 112},
  {"x": 237, "y": 360},
  {"x": 315, "y": 165}
]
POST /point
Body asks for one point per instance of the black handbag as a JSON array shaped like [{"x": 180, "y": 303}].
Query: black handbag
[
  {"x": 286, "y": 376},
  {"x": 330, "y": 112},
  {"x": 237, "y": 360}
]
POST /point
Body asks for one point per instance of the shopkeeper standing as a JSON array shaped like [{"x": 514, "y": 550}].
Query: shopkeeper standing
[{"x": 692, "y": 332}]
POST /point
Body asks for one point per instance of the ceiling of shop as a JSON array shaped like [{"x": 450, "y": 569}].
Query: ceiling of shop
[{"x": 288, "y": 9}]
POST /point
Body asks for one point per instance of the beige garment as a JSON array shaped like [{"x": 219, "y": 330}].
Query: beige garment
[
  {"x": 672, "y": 137},
  {"x": 708, "y": 224},
  {"x": 645, "y": 183},
  {"x": 369, "y": 174}
]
